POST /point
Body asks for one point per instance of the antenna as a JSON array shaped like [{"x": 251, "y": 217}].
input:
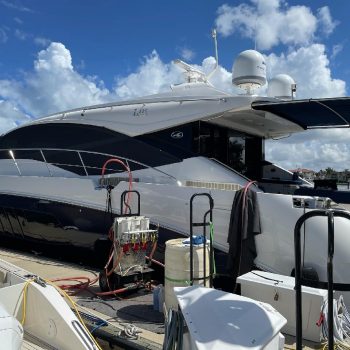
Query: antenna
[
  {"x": 213, "y": 35},
  {"x": 192, "y": 74}
]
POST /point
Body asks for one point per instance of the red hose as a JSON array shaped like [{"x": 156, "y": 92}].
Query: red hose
[
  {"x": 119, "y": 291},
  {"x": 116, "y": 160},
  {"x": 246, "y": 187},
  {"x": 85, "y": 282},
  {"x": 85, "y": 286},
  {"x": 80, "y": 286},
  {"x": 155, "y": 261}
]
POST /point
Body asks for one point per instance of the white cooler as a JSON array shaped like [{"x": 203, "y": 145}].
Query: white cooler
[{"x": 278, "y": 291}]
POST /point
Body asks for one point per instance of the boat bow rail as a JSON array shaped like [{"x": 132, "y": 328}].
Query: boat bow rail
[
  {"x": 72, "y": 163},
  {"x": 300, "y": 280}
]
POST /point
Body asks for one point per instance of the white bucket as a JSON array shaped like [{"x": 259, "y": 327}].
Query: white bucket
[{"x": 177, "y": 268}]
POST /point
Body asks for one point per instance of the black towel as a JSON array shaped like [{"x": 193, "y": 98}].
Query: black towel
[{"x": 244, "y": 225}]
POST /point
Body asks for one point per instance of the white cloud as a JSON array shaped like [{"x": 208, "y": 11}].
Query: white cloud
[
  {"x": 314, "y": 149},
  {"x": 270, "y": 24},
  {"x": 325, "y": 19},
  {"x": 309, "y": 66},
  {"x": 336, "y": 49},
  {"x": 151, "y": 77},
  {"x": 15, "y": 5},
  {"x": 19, "y": 34},
  {"x": 18, "y": 20},
  {"x": 221, "y": 78},
  {"x": 52, "y": 86},
  {"x": 42, "y": 41},
  {"x": 187, "y": 54},
  {"x": 3, "y": 36},
  {"x": 10, "y": 116},
  {"x": 231, "y": 19}
]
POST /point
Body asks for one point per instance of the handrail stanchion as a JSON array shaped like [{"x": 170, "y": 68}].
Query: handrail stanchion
[
  {"x": 45, "y": 161},
  {"x": 203, "y": 224},
  {"x": 329, "y": 285},
  {"x": 82, "y": 162},
  {"x": 298, "y": 311},
  {"x": 330, "y": 278}
]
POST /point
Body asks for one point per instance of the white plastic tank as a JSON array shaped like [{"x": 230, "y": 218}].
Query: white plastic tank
[
  {"x": 177, "y": 268},
  {"x": 249, "y": 70},
  {"x": 281, "y": 86}
]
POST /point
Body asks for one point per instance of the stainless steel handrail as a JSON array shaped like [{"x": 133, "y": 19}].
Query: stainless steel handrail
[{"x": 79, "y": 153}]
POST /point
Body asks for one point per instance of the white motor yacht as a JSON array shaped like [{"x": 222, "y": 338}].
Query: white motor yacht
[{"x": 193, "y": 139}]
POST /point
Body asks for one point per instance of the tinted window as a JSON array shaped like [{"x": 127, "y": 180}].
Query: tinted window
[
  {"x": 177, "y": 141},
  {"x": 86, "y": 138},
  {"x": 238, "y": 150}
]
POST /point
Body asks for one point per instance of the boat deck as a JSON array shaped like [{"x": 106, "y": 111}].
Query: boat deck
[{"x": 134, "y": 309}]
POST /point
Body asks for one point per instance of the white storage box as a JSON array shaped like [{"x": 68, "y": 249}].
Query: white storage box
[{"x": 278, "y": 291}]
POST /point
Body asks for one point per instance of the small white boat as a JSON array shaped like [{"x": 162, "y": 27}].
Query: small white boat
[{"x": 33, "y": 313}]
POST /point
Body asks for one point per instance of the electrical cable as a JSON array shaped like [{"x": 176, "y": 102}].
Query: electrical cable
[
  {"x": 341, "y": 319},
  {"x": 24, "y": 292},
  {"x": 211, "y": 230},
  {"x": 173, "y": 337}
]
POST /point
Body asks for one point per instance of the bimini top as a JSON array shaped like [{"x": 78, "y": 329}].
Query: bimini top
[{"x": 311, "y": 113}]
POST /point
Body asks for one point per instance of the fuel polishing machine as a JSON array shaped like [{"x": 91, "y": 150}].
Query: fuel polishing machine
[{"x": 133, "y": 242}]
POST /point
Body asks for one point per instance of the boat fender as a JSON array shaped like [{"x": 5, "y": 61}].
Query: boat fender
[
  {"x": 158, "y": 298},
  {"x": 308, "y": 273}
]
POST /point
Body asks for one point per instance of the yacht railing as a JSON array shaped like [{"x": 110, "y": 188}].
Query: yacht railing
[{"x": 81, "y": 165}]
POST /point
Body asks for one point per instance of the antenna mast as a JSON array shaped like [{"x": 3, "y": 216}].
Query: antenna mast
[{"x": 213, "y": 35}]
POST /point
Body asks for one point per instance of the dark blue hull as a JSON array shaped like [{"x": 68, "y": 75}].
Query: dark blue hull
[{"x": 56, "y": 224}]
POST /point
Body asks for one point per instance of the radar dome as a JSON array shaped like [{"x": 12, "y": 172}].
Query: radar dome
[
  {"x": 249, "y": 70},
  {"x": 281, "y": 86}
]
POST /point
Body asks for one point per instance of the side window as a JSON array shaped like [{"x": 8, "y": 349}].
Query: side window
[{"x": 85, "y": 138}]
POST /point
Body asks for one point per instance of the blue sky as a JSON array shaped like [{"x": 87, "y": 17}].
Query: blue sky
[{"x": 61, "y": 54}]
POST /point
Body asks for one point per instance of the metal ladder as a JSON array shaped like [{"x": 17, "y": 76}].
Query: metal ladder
[
  {"x": 203, "y": 224},
  {"x": 330, "y": 285}
]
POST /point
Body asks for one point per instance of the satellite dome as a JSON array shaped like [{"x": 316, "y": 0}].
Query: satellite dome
[
  {"x": 281, "y": 86},
  {"x": 249, "y": 70}
]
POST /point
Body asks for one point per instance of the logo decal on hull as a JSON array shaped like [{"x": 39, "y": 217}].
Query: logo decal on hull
[{"x": 177, "y": 134}]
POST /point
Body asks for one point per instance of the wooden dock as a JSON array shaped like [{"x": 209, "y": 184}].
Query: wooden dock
[{"x": 119, "y": 314}]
